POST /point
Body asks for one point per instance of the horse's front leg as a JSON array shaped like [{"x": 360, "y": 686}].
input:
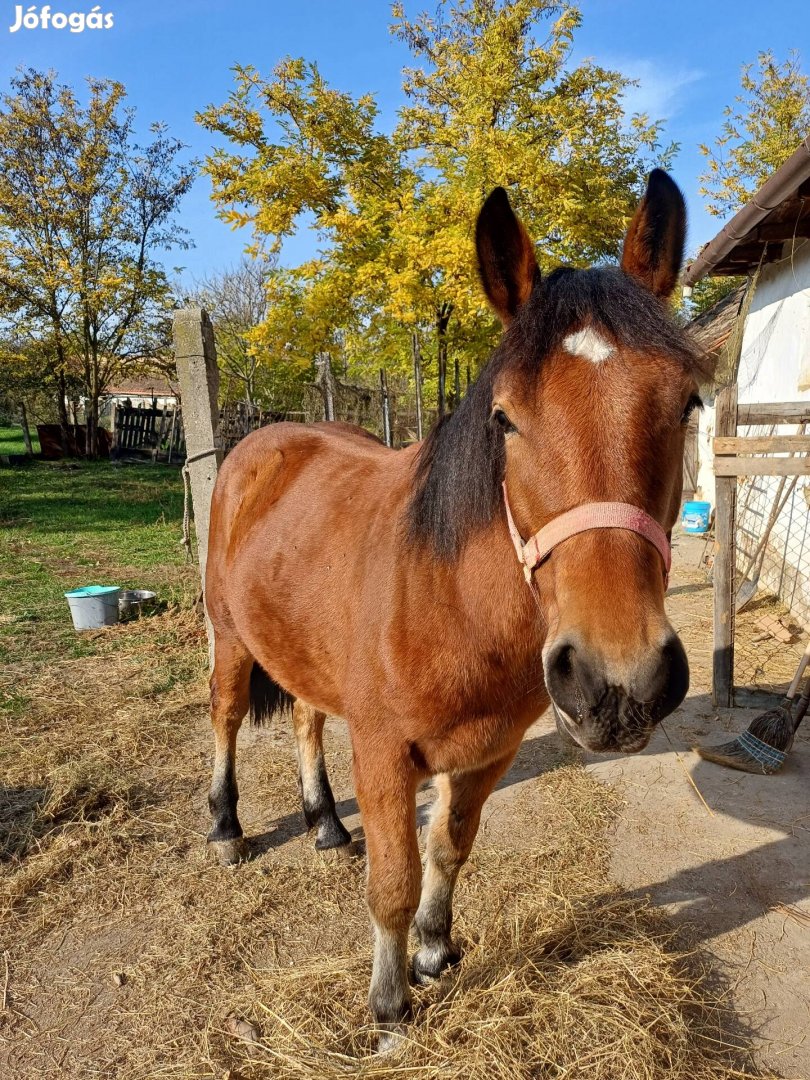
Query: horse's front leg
[
  {"x": 386, "y": 792},
  {"x": 454, "y": 824}
]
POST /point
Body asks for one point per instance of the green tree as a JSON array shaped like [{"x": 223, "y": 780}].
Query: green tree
[
  {"x": 710, "y": 291},
  {"x": 83, "y": 210},
  {"x": 763, "y": 127}
]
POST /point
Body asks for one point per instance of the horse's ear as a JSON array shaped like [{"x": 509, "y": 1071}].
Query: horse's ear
[
  {"x": 506, "y": 257},
  {"x": 653, "y": 247}
]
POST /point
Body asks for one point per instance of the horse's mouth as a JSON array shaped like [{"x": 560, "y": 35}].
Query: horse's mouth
[{"x": 608, "y": 732}]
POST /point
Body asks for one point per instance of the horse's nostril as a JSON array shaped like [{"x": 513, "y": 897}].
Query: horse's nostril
[
  {"x": 569, "y": 681},
  {"x": 564, "y": 662}
]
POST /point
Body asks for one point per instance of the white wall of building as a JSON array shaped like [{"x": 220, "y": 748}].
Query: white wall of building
[{"x": 775, "y": 358}]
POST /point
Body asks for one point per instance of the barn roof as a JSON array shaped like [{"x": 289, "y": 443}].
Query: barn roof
[{"x": 779, "y": 211}]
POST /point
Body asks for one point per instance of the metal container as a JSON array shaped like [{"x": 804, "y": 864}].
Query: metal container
[{"x": 134, "y": 602}]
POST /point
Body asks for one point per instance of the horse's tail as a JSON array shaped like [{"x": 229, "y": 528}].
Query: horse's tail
[{"x": 267, "y": 698}]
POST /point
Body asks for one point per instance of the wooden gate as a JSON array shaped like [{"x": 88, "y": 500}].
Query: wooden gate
[{"x": 155, "y": 434}]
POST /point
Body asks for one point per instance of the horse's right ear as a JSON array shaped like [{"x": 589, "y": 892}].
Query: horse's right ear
[{"x": 506, "y": 256}]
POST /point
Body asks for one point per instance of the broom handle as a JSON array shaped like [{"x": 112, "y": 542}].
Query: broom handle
[
  {"x": 800, "y": 671},
  {"x": 801, "y": 707}
]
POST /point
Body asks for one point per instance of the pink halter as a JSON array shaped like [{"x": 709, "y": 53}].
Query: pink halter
[{"x": 601, "y": 515}]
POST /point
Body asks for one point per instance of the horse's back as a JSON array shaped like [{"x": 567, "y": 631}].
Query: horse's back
[{"x": 259, "y": 467}]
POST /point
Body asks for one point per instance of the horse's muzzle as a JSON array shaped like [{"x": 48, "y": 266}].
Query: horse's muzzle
[{"x": 603, "y": 713}]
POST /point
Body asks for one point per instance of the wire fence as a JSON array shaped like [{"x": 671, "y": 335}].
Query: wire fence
[
  {"x": 772, "y": 584},
  {"x": 394, "y": 410}
]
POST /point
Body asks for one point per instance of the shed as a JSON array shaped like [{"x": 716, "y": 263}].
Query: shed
[{"x": 761, "y": 336}]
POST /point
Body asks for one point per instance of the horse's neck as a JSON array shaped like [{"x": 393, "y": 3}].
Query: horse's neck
[{"x": 488, "y": 584}]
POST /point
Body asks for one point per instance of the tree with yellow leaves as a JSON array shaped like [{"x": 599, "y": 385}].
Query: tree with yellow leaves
[
  {"x": 488, "y": 101},
  {"x": 763, "y": 127}
]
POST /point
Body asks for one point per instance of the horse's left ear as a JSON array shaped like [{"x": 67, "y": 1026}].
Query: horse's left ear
[
  {"x": 653, "y": 247},
  {"x": 506, "y": 256}
]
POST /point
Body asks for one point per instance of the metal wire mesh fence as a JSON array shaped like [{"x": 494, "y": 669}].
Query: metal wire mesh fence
[{"x": 772, "y": 581}]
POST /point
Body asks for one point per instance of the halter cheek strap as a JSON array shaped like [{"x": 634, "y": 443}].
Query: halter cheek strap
[{"x": 601, "y": 515}]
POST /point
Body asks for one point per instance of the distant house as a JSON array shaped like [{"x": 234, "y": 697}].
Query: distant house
[
  {"x": 760, "y": 336},
  {"x": 148, "y": 392}
]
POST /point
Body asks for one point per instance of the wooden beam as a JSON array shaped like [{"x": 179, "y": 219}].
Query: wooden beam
[
  {"x": 761, "y": 466},
  {"x": 780, "y": 231},
  {"x": 777, "y": 412},
  {"x": 763, "y": 444},
  {"x": 724, "y": 560}
]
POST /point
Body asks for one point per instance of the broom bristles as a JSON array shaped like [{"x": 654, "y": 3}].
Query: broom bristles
[{"x": 761, "y": 749}]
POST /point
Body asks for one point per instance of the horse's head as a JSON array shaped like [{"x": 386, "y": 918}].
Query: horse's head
[{"x": 592, "y": 388}]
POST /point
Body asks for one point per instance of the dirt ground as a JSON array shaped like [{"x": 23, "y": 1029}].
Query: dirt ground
[
  {"x": 737, "y": 879},
  {"x": 142, "y": 948}
]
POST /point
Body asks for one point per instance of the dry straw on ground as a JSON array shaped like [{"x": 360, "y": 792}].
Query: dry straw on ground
[{"x": 130, "y": 955}]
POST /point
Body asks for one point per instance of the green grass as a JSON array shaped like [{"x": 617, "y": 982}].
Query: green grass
[
  {"x": 11, "y": 440},
  {"x": 64, "y": 525}
]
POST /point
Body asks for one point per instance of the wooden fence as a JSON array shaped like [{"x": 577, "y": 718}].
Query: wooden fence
[
  {"x": 393, "y": 410},
  {"x": 153, "y": 434}
]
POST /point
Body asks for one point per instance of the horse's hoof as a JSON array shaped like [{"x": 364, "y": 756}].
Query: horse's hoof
[
  {"x": 229, "y": 852},
  {"x": 431, "y": 961},
  {"x": 342, "y": 854},
  {"x": 391, "y": 1039},
  {"x": 332, "y": 835}
]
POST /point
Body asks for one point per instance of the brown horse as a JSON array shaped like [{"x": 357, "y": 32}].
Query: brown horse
[{"x": 382, "y": 586}]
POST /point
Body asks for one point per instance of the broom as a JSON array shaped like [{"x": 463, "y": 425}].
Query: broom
[{"x": 763, "y": 747}]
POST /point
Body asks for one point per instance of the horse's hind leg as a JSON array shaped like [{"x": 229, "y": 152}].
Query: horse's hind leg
[
  {"x": 316, "y": 794},
  {"x": 454, "y": 824},
  {"x": 230, "y": 699}
]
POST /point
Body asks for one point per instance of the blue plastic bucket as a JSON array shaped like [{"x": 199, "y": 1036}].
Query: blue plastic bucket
[
  {"x": 695, "y": 517},
  {"x": 93, "y": 606}
]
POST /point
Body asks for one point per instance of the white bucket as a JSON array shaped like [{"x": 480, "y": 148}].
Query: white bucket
[{"x": 93, "y": 606}]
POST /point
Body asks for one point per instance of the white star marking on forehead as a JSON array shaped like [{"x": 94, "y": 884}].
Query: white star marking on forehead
[{"x": 589, "y": 344}]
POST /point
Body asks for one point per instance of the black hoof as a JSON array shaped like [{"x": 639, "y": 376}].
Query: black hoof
[
  {"x": 331, "y": 834},
  {"x": 431, "y": 961},
  {"x": 229, "y": 852}
]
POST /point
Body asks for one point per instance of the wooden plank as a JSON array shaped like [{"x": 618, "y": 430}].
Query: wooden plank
[
  {"x": 724, "y": 560},
  {"x": 778, "y": 412},
  {"x": 762, "y": 466},
  {"x": 762, "y": 444}
]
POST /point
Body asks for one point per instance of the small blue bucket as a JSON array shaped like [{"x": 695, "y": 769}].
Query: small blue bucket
[
  {"x": 93, "y": 606},
  {"x": 695, "y": 517}
]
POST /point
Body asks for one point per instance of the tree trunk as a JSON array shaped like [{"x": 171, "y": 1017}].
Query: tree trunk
[
  {"x": 91, "y": 420},
  {"x": 61, "y": 405},
  {"x": 26, "y": 431},
  {"x": 442, "y": 320}
]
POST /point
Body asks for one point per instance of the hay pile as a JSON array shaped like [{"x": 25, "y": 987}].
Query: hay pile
[{"x": 562, "y": 977}]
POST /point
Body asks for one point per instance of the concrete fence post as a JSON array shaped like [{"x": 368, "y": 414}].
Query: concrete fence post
[{"x": 196, "y": 359}]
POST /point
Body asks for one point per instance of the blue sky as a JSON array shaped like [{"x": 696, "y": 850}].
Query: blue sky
[{"x": 174, "y": 56}]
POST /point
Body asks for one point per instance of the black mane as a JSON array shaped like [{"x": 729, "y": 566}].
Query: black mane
[{"x": 457, "y": 485}]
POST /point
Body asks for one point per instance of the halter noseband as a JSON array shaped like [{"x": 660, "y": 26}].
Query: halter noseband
[{"x": 600, "y": 515}]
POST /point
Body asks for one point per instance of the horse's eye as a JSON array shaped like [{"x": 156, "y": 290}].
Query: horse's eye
[
  {"x": 693, "y": 403},
  {"x": 502, "y": 420}
]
